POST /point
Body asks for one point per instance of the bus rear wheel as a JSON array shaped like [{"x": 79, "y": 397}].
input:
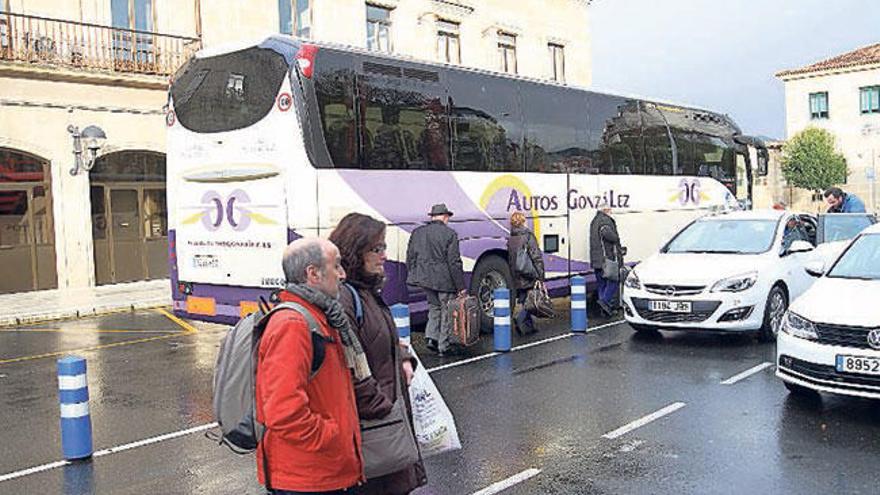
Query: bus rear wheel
[{"x": 492, "y": 272}]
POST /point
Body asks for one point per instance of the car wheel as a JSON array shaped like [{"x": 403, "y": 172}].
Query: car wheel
[
  {"x": 492, "y": 272},
  {"x": 774, "y": 310},
  {"x": 800, "y": 390}
]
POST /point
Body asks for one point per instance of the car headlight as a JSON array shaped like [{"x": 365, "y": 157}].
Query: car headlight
[
  {"x": 736, "y": 283},
  {"x": 798, "y": 326},
  {"x": 632, "y": 281}
]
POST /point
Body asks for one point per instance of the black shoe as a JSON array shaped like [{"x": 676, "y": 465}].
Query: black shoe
[
  {"x": 606, "y": 308},
  {"x": 431, "y": 344}
]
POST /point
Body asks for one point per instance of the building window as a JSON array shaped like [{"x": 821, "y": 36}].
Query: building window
[
  {"x": 295, "y": 17},
  {"x": 448, "y": 43},
  {"x": 557, "y": 62},
  {"x": 869, "y": 99},
  {"x": 507, "y": 52},
  {"x": 819, "y": 105},
  {"x": 378, "y": 28},
  {"x": 130, "y": 47}
]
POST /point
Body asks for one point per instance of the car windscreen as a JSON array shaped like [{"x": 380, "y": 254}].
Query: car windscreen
[
  {"x": 860, "y": 261},
  {"x": 228, "y": 92},
  {"x": 724, "y": 236},
  {"x": 838, "y": 227}
]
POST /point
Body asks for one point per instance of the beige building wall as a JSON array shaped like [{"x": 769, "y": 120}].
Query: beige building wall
[
  {"x": 857, "y": 135},
  {"x": 414, "y": 29}
]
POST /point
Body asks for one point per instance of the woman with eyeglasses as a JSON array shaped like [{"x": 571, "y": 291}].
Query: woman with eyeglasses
[{"x": 361, "y": 242}]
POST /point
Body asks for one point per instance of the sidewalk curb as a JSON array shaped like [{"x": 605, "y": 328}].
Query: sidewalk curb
[{"x": 67, "y": 314}]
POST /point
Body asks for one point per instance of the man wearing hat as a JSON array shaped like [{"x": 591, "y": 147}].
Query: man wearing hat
[{"x": 433, "y": 262}]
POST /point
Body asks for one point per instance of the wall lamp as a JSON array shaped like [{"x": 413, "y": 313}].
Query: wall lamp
[{"x": 92, "y": 137}]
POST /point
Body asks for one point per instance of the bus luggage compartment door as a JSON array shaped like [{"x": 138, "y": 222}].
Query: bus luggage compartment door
[{"x": 232, "y": 232}]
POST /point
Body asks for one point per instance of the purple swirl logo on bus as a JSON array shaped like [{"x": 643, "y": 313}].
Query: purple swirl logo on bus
[
  {"x": 689, "y": 192},
  {"x": 218, "y": 208}
]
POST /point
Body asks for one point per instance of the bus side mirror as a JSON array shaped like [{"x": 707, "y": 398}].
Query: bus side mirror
[{"x": 763, "y": 162}]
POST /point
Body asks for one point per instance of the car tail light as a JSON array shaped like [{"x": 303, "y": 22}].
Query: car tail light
[{"x": 305, "y": 58}]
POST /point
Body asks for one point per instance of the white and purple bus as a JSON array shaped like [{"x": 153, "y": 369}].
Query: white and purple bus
[{"x": 280, "y": 139}]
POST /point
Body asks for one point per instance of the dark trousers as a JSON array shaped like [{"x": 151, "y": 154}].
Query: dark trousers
[
  {"x": 607, "y": 289},
  {"x": 524, "y": 318}
]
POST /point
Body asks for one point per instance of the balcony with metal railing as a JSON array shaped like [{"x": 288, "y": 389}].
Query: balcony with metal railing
[{"x": 43, "y": 41}]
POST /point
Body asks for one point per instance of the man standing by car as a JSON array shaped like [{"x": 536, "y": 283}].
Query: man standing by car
[
  {"x": 841, "y": 202},
  {"x": 605, "y": 255},
  {"x": 312, "y": 441},
  {"x": 433, "y": 262}
]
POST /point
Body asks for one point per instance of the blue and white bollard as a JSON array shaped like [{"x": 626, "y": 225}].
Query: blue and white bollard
[
  {"x": 400, "y": 312},
  {"x": 501, "y": 299},
  {"x": 578, "y": 304},
  {"x": 76, "y": 424}
]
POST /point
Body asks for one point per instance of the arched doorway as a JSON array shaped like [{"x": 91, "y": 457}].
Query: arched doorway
[
  {"x": 129, "y": 217},
  {"x": 27, "y": 235}
]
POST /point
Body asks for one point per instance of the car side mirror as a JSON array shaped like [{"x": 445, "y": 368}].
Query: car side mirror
[
  {"x": 815, "y": 268},
  {"x": 799, "y": 247}
]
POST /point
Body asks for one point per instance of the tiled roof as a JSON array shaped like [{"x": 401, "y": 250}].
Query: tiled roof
[{"x": 863, "y": 56}]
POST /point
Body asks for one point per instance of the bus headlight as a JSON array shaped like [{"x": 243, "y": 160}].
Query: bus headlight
[
  {"x": 632, "y": 281},
  {"x": 736, "y": 283},
  {"x": 798, "y": 326}
]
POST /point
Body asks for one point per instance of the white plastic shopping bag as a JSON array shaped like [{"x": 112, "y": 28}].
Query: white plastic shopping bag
[{"x": 433, "y": 422}]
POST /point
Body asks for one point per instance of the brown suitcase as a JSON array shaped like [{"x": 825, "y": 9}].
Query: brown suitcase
[{"x": 464, "y": 317}]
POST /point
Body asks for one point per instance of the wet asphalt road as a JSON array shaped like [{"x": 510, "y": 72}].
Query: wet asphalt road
[{"x": 545, "y": 407}]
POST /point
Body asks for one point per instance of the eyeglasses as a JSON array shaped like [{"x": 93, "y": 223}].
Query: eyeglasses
[{"x": 379, "y": 249}]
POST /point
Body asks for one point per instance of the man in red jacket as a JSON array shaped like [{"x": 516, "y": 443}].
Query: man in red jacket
[{"x": 312, "y": 439}]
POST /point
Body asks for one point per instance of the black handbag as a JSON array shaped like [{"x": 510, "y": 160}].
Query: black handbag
[
  {"x": 524, "y": 265},
  {"x": 538, "y": 302}
]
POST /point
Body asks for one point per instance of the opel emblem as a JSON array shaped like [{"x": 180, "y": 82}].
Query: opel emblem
[
  {"x": 874, "y": 338},
  {"x": 670, "y": 291}
]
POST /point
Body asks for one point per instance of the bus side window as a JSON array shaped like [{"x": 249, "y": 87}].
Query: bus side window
[
  {"x": 614, "y": 134},
  {"x": 334, "y": 88},
  {"x": 403, "y": 124},
  {"x": 556, "y": 129},
  {"x": 487, "y": 123}
]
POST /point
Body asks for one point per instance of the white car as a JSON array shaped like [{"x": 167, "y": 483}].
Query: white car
[
  {"x": 830, "y": 337},
  {"x": 733, "y": 272}
]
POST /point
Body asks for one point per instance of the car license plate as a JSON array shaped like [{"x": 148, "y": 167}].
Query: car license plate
[
  {"x": 858, "y": 364},
  {"x": 671, "y": 306}
]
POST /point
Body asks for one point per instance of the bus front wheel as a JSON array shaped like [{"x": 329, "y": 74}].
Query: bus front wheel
[{"x": 492, "y": 272}]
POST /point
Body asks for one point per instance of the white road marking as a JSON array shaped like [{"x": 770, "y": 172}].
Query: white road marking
[
  {"x": 623, "y": 430},
  {"x": 33, "y": 470},
  {"x": 747, "y": 373},
  {"x": 168, "y": 436},
  {"x": 520, "y": 347},
  {"x": 112, "y": 450},
  {"x": 509, "y": 482},
  {"x": 160, "y": 438}
]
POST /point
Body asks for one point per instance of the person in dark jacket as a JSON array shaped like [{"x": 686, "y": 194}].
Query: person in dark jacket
[
  {"x": 433, "y": 262},
  {"x": 605, "y": 244},
  {"x": 521, "y": 238},
  {"x": 361, "y": 242}
]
